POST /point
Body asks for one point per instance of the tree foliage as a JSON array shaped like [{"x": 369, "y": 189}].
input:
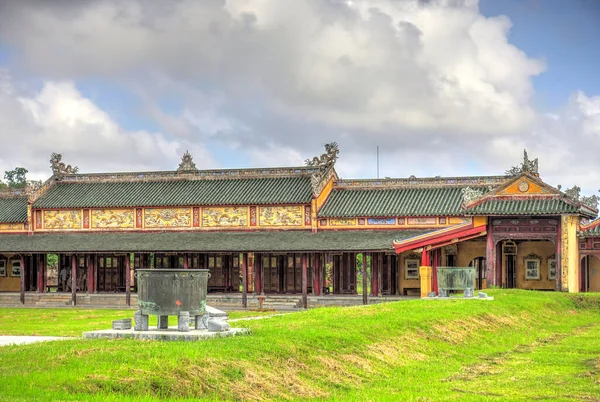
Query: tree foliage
[{"x": 16, "y": 178}]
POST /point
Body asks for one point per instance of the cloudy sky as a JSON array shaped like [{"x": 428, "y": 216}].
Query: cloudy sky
[{"x": 444, "y": 87}]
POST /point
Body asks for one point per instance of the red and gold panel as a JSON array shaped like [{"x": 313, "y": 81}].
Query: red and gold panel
[
  {"x": 113, "y": 219},
  {"x": 225, "y": 217},
  {"x": 253, "y": 216},
  {"x": 307, "y": 215},
  {"x": 86, "y": 218},
  {"x": 280, "y": 215},
  {"x": 139, "y": 218},
  {"x": 167, "y": 217},
  {"x": 196, "y": 217},
  {"x": 38, "y": 219},
  {"x": 63, "y": 219}
]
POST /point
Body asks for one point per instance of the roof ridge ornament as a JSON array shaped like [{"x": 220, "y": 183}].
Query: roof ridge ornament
[
  {"x": 470, "y": 194},
  {"x": 324, "y": 163},
  {"x": 187, "y": 163},
  {"x": 59, "y": 169},
  {"x": 527, "y": 166},
  {"x": 327, "y": 159}
]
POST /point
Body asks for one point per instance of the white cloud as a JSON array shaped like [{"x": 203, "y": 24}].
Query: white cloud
[
  {"x": 58, "y": 118},
  {"x": 436, "y": 84}
]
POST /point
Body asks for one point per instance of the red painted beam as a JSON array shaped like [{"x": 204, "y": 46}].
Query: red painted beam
[{"x": 439, "y": 239}]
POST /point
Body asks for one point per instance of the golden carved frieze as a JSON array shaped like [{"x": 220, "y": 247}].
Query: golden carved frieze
[
  {"x": 113, "y": 218},
  {"x": 167, "y": 217},
  {"x": 12, "y": 226},
  {"x": 281, "y": 216},
  {"x": 342, "y": 221},
  {"x": 225, "y": 216},
  {"x": 62, "y": 219}
]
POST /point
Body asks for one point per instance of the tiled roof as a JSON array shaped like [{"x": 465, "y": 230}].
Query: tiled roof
[
  {"x": 13, "y": 210},
  {"x": 593, "y": 230},
  {"x": 261, "y": 191},
  {"x": 523, "y": 206},
  {"x": 389, "y": 202},
  {"x": 272, "y": 241}
]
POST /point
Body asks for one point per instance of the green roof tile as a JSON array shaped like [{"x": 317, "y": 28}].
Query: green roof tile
[
  {"x": 438, "y": 201},
  {"x": 272, "y": 241},
  {"x": 261, "y": 191},
  {"x": 13, "y": 210},
  {"x": 523, "y": 206}
]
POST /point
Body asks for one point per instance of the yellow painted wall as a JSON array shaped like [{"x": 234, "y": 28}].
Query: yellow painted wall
[
  {"x": 403, "y": 282},
  {"x": 523, "y": 186},
  {"x": 594, "y": 274},
  {"x": 9, "y": 283},
  {"x": 468, "y": 250},
  {"x": 321, "y": 198},
  {"x": 544, "y": 249}
]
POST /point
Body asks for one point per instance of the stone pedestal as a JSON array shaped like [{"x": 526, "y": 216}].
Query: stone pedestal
[
  {"x": 141, "y": 321},
  {"x": 183, "y": 321},
  {"x": 163, "y": 322}
]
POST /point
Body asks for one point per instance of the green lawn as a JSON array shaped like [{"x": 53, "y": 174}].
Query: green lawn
[
  {"x": 72, "y": 322},
  {"x": 521, "y": 346}
]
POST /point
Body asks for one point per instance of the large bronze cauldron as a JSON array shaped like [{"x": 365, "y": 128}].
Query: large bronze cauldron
[
  {"x": 165, "y": 292},
  {"x": 452, "y": 278}
]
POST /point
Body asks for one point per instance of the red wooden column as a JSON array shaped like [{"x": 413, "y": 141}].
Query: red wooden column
[
  {"x": 304, "y": 281},
  {"x": 256, "y": 270},
  {"x": 316, "y": 268},
  {"x": 22, "y": 280},
  {"x": 558, "y": 285},
  {"x": 379, "y": 259},
  {"x": 90, "y": 273},
  {"x": 40, "y": 274},
  {"x": 490, "y": 258},
  {"x": 437, "y": 256},
  {"x": 364, "y": 277},
  {"x": 185, "y": 261},
  {"x": 128, "y": 279},
  {"x": 367, "y": 256},
  {"x": 245, "y": 280},
  {"x": 73, "y": 279}
]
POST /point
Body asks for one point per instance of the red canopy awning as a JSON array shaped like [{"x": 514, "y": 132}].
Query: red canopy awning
[{"x": 440, "y": 238}]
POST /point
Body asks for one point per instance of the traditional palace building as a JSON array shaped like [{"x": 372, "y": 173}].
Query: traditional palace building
[{"x": 295, "y": 230}]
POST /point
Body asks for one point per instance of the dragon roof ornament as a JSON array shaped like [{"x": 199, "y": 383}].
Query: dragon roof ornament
[
  {"x": 528, "y": 165},
  {"x": 187, "y": 163},
  {"x": 325, "y": 163},
  {"x": 470, "y": 194},
  {"x": 575, "y": 194},
  {"x": 59, "y": 169}
]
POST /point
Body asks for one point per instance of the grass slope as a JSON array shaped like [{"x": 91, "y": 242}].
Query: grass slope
[{"x": 522, "y": 346}]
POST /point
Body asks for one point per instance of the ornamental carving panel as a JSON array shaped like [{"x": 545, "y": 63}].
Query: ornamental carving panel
[
  {"x": 381, "y": 221},
  {"x": 63, "y": 219},
  {"x": 113, "y": 218},
  {"x": 12, "y": 226},
  {"x": 281, "y": 216},
  {"x": 342, "y": 221},
  {"x": 167, "y": 217},
  {"x": 225, "y": 217},
  {"x": 422, "y": 221}
]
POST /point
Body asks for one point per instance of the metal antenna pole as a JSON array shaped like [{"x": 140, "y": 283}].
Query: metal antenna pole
[{"x": 377, "y": 161}]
